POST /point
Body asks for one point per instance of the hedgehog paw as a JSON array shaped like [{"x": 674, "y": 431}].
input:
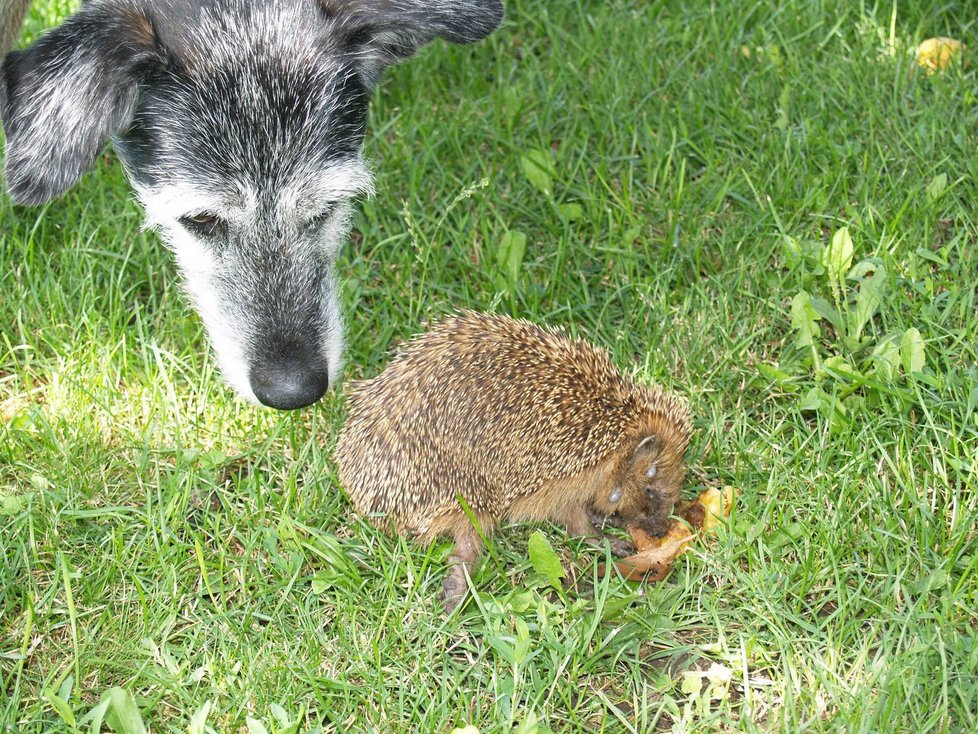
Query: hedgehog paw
[
  {"x": 600, "y": 521},
  {"x": 619, "y": 548},
  {"x": 453, "y": 588}
]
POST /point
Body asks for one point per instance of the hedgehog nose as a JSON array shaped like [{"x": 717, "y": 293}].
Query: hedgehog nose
[{"x": 289, "y": 380}]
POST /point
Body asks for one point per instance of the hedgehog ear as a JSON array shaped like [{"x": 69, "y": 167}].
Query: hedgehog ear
[
  {"x": 383, "y": 32},
  {"x": 646, "y": 446}
]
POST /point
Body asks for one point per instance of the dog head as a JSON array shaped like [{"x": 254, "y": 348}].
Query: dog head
[{"x": 240, "y": 124}]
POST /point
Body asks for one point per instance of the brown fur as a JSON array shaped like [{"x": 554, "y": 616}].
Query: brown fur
[
  {"x": 522, "y": 422},
  {"x": 11, "y": 19}
]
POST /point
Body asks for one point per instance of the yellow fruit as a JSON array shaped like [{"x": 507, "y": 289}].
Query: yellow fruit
[
  {"x": 718, "y": 504},
  {"x": 938, "y": 53}
]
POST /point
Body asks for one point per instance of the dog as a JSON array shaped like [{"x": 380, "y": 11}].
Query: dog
[{"x": 240, "y": 124}]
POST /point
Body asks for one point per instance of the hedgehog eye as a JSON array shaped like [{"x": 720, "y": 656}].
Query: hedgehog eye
[
  {"x": 615, "y": 495},
  {"x": 651, "y": 472}
]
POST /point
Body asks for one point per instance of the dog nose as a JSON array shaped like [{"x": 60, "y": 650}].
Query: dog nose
[{"x": 288, "y": 383}]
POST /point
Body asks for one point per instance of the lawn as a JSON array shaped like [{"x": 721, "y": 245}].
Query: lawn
[{"x": 765, "y": 206}]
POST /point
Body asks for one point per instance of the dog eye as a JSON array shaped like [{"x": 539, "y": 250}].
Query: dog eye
[{"x": 204, "y": 224}]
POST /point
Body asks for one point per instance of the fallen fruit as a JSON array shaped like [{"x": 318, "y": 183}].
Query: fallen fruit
[
  {"x": 717, "y": 503},
  {"x": 938, "y": 53}
]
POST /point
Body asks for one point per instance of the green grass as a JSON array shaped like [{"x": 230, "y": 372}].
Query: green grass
[{"x": 160, "y": 536}]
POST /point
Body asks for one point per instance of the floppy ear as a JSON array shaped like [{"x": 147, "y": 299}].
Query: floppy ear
[
  {"x": 62, "y": 98},
  {"x": 387, "y": 31}
]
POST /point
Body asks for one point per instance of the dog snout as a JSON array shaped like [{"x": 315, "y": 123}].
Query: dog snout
[{"x": 289, "y": 380}]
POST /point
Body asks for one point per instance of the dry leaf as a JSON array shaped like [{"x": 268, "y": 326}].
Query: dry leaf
[
  {"x": 938, "y": 53},
  {"x": 655, "y": 559},
  {"x": 11, "y": 407}
]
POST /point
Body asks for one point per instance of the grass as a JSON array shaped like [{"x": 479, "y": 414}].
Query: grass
[{"x": 680, "y": 172}]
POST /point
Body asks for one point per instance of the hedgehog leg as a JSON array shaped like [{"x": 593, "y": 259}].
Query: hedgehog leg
[
  {"x": 467, "y": 549},
  {"x": 579, "y": 524}
]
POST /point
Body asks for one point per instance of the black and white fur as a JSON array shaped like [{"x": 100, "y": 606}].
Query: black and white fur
[{"x": 241, "y": 126}]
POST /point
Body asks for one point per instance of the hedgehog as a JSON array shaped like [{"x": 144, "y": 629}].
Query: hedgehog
[{"x": 489, "y": 418}]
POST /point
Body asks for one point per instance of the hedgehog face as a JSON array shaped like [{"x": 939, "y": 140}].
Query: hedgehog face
[{"x": 648, "y": 486}]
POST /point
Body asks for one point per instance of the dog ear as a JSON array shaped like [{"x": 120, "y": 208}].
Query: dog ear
[
  {"x": 387, "y": 31},
  {"x": 62, "y": 98}
]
